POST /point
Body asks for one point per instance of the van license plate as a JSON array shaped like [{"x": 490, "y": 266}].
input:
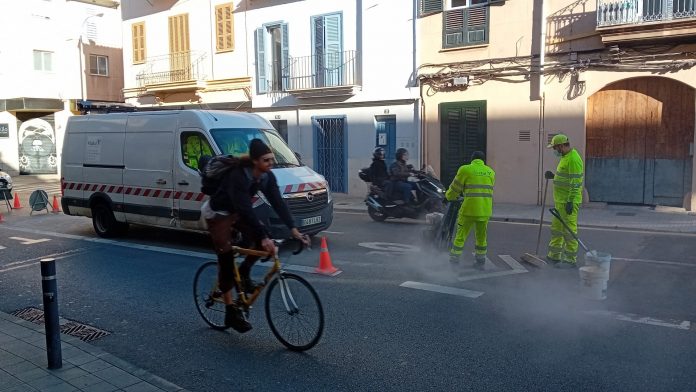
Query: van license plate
[{"x": 311, "y": 221}]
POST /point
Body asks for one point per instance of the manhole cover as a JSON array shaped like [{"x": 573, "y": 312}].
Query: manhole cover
[
  {"x": 84, "y": 332},
  {"x": 625, "y": 214}
]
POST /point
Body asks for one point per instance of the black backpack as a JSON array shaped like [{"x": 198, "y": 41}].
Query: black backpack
[{"x": 213, "y": 170}]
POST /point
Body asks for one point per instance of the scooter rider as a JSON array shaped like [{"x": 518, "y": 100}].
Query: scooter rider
[
  {"x": 378, "y": 168},
  {"x": 400, "y": 172}
]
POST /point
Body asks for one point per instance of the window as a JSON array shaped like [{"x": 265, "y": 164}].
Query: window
[
  {"x": 224, "y": 20},
  {"x": 272, "y": 58},
  {"x": 43, "y": 61},
  {"x": 98, "y": 65},
  {"x": 327, "y": 45},
  {"x": 138, "y": 33},
  {"x": 193, "y": 146},
  {"x": 465, "y": 26},
  {"x": 452, "y": 4},
  {"x": 179, "y": 48}
]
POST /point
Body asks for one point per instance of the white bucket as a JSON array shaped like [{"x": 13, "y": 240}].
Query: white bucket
[
  {"x": 599, "y": 260},
  {"x": 593, "y": 282}
]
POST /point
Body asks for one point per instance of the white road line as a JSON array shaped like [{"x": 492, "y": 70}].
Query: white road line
[
  {"x": 488, "y": 264},
  {"x": 514, "y": 264},
  {"x": 2, "y": 247},
  {"x": 179, "y": 252},
  {"x": 634, "y": 318},
  {"x": 54, "y": 256},
  {"x": 28, "y": 263},
  {"x": 442, "y": 289},
  {"x": 655, "y": 262},
  {"x": 29, "y": 241}
]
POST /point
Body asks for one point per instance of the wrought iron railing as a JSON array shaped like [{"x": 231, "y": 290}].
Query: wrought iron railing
[
  {"x": 334, "y": 69},
  {"x": 623, "y": 12},
  {"x": 179, "y": 67}
]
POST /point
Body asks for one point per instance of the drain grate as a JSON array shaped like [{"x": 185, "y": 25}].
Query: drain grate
[{"x": 84, "y": 332}]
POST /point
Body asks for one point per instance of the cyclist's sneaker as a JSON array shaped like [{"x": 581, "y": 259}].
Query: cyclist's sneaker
[{"x": 235, "y": 319}]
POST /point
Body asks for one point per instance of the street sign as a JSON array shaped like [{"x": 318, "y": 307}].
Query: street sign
[{"x": 4, "y": 130}]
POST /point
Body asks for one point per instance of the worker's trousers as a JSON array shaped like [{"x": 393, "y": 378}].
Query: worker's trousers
[
  {"x": 464, "y": 226},
  {"x": 563, "y": 247}
]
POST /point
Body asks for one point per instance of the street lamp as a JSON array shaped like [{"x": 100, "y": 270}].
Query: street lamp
[{"x": 82, "y": 76}]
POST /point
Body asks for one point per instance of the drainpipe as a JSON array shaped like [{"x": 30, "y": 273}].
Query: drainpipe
[{"x": 542, "y": 99}]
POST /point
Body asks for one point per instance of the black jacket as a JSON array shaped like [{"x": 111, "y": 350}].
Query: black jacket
[
  {"x": 236, "y": 191},
  {"x": 378, "y": 172},
  {"x": 399, "y": 171}
]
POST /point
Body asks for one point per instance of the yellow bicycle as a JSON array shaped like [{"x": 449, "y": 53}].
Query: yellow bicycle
[{"x": 293, "y": 309}]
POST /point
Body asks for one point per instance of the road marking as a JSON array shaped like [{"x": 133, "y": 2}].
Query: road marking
[
  {"x": 2, "y": 247},
  {"x": 442, "y": 289},
  {"x": 634, "y": 318},
  {"x": 517, "y": 268},
  {"x": 349, "y": 213},
  {"x": 622, "y": 230},
  {"x": 655, "y": 262},
  {"x": 178, "y": 252},
  {"x": 29, "y": 241},
  {"x": 389, "y": 247},
  {"x": 28, "y": 263}
]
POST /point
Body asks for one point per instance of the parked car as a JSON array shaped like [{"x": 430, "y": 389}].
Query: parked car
[{"x": 142, "y": 168}]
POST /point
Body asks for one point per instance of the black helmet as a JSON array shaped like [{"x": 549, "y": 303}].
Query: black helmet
[
  {"x": 378, "y": 153},
  {"x": 400, "y": 153}
]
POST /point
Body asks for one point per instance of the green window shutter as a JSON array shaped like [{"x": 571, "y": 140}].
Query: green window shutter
[
  {"x": 466, "y": 26},
  {"x": 285, "y": 55},
  {"x": 462, "y": 131},
  {"x": 261, "y": 72},
  {"x": 426, "y": 7}
]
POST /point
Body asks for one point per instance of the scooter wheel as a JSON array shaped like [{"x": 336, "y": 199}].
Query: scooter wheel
[{"x": 376, "y": 215}]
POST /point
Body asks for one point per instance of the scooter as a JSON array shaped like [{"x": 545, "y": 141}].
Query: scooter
[{"x": 430, "y": 195}]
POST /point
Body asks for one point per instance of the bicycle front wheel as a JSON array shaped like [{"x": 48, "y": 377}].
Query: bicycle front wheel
[
  {"x": 208, "y": 297},
  {"x": 294, "y": 312}
]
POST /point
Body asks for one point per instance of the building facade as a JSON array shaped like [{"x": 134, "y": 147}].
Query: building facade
[
  {"x": 332, "y": 77},
  {"x": 64, "y": 51},
  {"x": 617, "y": 76}
]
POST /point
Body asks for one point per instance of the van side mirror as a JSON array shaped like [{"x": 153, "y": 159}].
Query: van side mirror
[{"x": 298, "y": 156}]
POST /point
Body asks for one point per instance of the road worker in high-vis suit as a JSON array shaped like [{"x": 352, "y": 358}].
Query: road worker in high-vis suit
[
  {"x": 567, "y": 196},
  {"x": 475, "y": 182}
]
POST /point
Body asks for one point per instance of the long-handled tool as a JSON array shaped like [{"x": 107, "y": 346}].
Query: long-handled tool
[{"x": 534, "y": 259}]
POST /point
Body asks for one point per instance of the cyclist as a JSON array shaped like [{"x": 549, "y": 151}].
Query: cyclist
[{"x": 231, "y": 207}]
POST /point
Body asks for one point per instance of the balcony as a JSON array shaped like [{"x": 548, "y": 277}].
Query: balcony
[
  {"x": 645, "y": 20},
  {"x": 327, "y": 75},
  {"x": 173, "y": 72}
]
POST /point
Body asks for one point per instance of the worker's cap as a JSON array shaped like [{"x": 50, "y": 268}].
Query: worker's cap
[{"x": 558, "y": 139}]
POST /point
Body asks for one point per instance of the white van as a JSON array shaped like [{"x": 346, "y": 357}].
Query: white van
[{"x": 141, "y": 167}]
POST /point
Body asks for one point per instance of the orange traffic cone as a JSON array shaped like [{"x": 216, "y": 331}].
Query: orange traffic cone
[
  {"x": 325, "y": 265},
  {"x": 56, "y": 207},
  {"x": 17, "y": 204}
]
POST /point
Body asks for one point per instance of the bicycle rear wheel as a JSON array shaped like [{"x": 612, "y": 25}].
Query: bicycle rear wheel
[
  {"x": 294, "y": 312},
  {"x": 208, "y": 297}
]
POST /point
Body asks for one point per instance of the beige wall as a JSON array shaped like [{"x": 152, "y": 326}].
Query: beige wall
[
  {"x": 104, "y": 88},
  {"x": 512, "y": 104}
]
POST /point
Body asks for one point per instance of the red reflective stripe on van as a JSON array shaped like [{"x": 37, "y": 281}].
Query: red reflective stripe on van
[
  {"x": 137, "y": 191},
  {"x": 147, "y": 192},
  {"x": 103, "y": 188},
  {"x": 301, "y": 187},
  {"x": 200, "y": 197},
  {"x": 111, "y": 189},
  {"x": 119, "y": 190},
  {"x": 95, "y": 187},
  {"x": 157, "y": 193},
  {"x": 288, "y": 189},
  {"x": 167, "y": 194},
  {"x": 71, "y": 185},
  {"x": 177, "y": 195}
]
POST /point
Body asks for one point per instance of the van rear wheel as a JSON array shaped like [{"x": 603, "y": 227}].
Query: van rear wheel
[{"x": 104, "y": 222}]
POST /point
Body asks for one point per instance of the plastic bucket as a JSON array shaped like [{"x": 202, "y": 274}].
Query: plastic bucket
[
  {"x": 593, "y": 282},
  {"x": 599, "y": 260}
]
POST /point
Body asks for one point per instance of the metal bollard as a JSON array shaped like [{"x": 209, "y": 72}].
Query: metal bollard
[{"x": 49, "y": 287}]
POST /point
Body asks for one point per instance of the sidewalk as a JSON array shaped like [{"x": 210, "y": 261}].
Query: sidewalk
[
  {"x": 658, "y": 219},
  {"x": 85, "y": 368}
]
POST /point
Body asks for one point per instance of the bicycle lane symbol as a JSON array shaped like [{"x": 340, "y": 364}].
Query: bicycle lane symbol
[{"x": 388, "y": 248}]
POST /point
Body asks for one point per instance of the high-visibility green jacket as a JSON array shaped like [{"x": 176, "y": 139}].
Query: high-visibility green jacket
[
  {"x": 475, "y": 181},
  {"x": 194, "y": 149},
  {"x": 567, "y": 185}
]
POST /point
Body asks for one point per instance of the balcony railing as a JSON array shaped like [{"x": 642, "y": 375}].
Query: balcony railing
[
  {"x": 627, "y": 12},
  {"x": 336, "y": 69},
  {"x": 172, "y": 68}
]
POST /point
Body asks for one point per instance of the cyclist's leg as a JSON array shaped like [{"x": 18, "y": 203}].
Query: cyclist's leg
[
  {"x": 249, "y": 261},
  {"x": 219, "y": 229}
]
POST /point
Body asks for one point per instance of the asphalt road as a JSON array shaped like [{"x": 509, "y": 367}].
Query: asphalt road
[{"x": 523, "y": 330}]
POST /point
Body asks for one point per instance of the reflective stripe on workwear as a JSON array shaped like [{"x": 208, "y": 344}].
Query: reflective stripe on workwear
[
  {"x": 567, "y": 184},
  {"x": 563, "y": 247},
  {"x": 464, "y": 226},
  {"x": 476, "y": 182}
]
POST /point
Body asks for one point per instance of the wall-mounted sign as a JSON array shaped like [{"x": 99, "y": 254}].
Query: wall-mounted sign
[
  {"x": 4, "y": 130},
  {"x": 37, "y": 146}
]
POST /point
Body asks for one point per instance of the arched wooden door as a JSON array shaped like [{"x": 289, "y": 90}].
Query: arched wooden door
[{"x": 640, "y": 136}]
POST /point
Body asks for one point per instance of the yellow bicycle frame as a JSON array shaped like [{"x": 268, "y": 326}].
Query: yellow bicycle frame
[{"x": 247, "y": 302}]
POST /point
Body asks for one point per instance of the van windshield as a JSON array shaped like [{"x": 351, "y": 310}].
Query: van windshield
[{"x": 235, "y": 141}]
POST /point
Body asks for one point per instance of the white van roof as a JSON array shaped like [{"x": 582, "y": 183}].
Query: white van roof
[{"x": 194, "y": 118}]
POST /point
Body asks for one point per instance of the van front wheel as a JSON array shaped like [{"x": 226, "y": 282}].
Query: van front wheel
[{"x": 104, "y": 222}]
